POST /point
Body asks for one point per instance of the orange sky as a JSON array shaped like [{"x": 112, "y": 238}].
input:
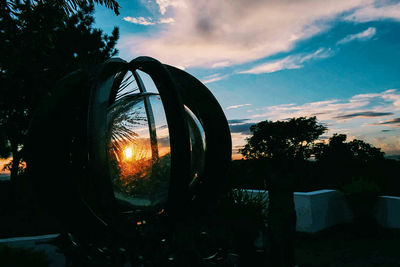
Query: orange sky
[{"x": 2, "y": 163}]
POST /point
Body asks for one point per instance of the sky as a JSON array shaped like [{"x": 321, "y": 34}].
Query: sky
[{"x": 273, "y": 60}]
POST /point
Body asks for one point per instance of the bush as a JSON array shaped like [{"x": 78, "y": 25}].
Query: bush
[
  {"x": 361, "y": 195},
  {"x": 10, "y": 256}
]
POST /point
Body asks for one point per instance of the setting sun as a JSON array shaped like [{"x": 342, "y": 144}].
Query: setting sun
[{"x": 128, "y": 153}]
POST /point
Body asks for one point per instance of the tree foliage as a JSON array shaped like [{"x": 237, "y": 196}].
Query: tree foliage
[
  {"x": 291, "y": 139},
  {"x": 40, "y": 44},
  {"x": 338, "y": 162},
  {"x": 339, "y": 150},
  {"x": 69, "y": 6}
]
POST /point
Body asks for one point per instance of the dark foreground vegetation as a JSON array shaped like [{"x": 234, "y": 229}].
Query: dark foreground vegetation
[
  {"x": 234, "y": 234},
  {"x": 344, "y": 245},
  {"x": 16, "y": 256},
  {"x": 315, "y": 175},
  {"x": 44, "y": 42},
  {"x": 315, "y": 164}
]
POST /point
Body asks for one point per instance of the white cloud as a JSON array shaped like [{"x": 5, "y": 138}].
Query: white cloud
[
  {"x": 206, "y": 33},
  {"x": 359, "y": 127},
  {"x": 394, "y": 97},
  {"x": 140, "y": 20},
  {"x": 166, "y": 21},
  {"x": 221, "y": 64},
  {"x": 238, "y": 106},
  {"x": 378, "y": 10},
  {"x": 332, "y": 110},
  {"x": 389, "y": 144},
  {"x": 148, "y": 21},
  {"x": 214, "y": 78},
  {"x": 282, "y": 64},
  {"x": 164, "y": 4},
  {"x": 361, "y": 36},
  {"x": 289, "y": 62}
]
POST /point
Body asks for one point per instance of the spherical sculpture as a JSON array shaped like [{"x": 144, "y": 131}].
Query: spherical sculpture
[{"x": 127, "y": 136}]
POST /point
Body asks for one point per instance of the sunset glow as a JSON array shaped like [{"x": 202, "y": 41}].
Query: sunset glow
[
  {"x": 338, "y": 60},
  {"x": 3, "y": 162},
  {"x": 128, "y": 153}
]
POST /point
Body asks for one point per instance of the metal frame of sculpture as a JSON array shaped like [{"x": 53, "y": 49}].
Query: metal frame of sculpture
[{"x": 66, "y": 148}]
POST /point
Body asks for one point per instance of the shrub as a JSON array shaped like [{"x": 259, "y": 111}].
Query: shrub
[{"x": 361, "y": 195}]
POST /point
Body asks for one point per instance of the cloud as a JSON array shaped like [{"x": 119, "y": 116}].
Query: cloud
[
  {"x": 148, "y": 21},
  {"x": 389, "y": 144},
  {"x": 140, "y": 20},
  {"x": 282, "y": 64},
  {"x": 289, "y": 62},
  {"x": 361, "y": 36},
  {"x": 362, "y": 105},
  {"x": 378, "y": 10},
  {"x": 165, "y": 4},
  {"x": 392, "y": 122},
  {"x": 240, "y": 127},
  {"x": 237, "y": 121},
  {"x": 215, "y": 33},
  {"x": 238, "y": 106},
  {"x": 356, "y": 117},
  {"x": 221, "y": 64},
  {"x": 243, "y": 129},
  {"x": 394, "y": 97},
  {"x": 364, "y": 114},
  {"x": 214, "y": 78},
  {"x": 166, "y": 21}
]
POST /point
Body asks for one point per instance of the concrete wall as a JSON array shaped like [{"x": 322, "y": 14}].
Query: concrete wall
[
  {"x": 387, "y": 211},
  {"x": 318, "y": 210}
]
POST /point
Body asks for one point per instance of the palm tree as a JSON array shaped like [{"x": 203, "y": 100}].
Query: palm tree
[
  {"x": 69, "y": 6},
  {"x": 72, "y": 5}
]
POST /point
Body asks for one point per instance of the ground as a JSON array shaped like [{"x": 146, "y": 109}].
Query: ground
[
  {"x": 342, "y": 245},
  {"x": 345, "y": 246}
]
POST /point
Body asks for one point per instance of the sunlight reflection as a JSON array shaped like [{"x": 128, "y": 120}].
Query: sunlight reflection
[
  {"x": 128, "y": 153},
  {"x": 139, "y": 151}
]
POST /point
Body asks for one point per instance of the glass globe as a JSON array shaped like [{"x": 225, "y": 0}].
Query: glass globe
[
  {"x": 197, "y": 146},
  {"x": 139, "y": 150}
]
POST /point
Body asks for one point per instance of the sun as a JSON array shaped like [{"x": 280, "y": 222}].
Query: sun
[{"x": 128, "y": 153}]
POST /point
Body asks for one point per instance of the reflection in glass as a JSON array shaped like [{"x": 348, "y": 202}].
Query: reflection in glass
[
  {"x": 197, "y": 145},
  {"x": 139, "y": 150},
  {"x": 128, "y": 86},
  {"x": 148, "y": 82}
]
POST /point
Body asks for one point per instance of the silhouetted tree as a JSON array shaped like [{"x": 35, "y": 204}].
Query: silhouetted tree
[
  {"x": 342, "y": 161},
  {"x": 338, "y": 149},
  {"x": 284, "y": 144},
  {"x": 5, "y": 149},
  {"x": 291, "y": 139},
  {"x": 68, "y": 6},
  {"x": 40, "y": 44}
]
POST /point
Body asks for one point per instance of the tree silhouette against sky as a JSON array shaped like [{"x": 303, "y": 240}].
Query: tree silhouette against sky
[
  {"x": 69, "y": 6},
  {"x": 41, "y": 44},
  {"x": 291, "y": 139}
]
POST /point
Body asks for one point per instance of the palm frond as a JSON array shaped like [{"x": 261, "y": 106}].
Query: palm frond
[
  {"x": 111, "y": 4},
  {"x": 69, "y": 6},
  {"x": 122, "y": 119},
  {"x": 124, "y": 89}
]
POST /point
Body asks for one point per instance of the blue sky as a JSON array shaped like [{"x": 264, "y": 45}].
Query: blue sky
[{"x": 337, "y": 60}]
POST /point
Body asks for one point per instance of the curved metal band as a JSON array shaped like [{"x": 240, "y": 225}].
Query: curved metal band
[
  {"x": 102, "y": 96},
  {"x": 178, "y": 130},
  {"x": 203, "y": 104}
]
